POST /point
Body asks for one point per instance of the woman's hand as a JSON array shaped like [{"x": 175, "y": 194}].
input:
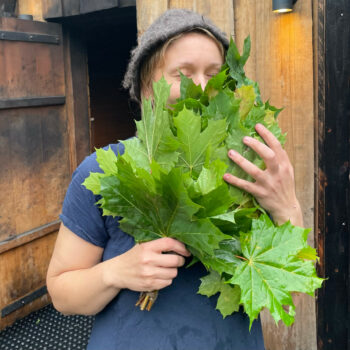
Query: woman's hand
[
  {"x": 274, "y": 187},
  {"x": 145, "y": 267}
]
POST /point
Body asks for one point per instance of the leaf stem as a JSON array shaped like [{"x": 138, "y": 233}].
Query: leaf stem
[{"x": 241, "y": 257}]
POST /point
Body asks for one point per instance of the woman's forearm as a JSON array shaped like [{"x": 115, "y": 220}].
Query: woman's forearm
[{"x": 84, "y": 291}]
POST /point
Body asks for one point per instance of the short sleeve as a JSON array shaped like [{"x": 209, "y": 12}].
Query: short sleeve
[{"x": 80, "y": 213}]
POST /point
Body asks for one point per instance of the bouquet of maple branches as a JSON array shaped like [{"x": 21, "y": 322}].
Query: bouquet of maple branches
[{"x": 169, "y": 183}]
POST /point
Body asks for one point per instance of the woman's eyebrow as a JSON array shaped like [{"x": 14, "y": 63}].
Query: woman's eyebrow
[{"x": 186, "y": 64}]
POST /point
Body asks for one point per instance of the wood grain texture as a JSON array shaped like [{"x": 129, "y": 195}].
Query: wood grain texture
[
  {"x": 76, "y": 78},
  {"x": 25, "y": 237},
  {"x": 34, "y": 141},
  {"x": 31, "y": 7},
  {"x": 52, "y": 8},
  {"x": 148, "y": 11},
  {"x": 282, "y": 63},
  {"x": 333, "y": 199},
  {"x": 23, "y": 270},
  {"x": 34, "y": 154}
]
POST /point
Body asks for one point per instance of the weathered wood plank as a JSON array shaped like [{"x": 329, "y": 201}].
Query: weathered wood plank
[
  {"x": 23, "y": 270},
  {"x": 333, "y": 303},
  {"x": 31, "y": 37},
  {"x": 14, "y": 241},
  {"x": 32, "y": 102},
  {"x": 34, "y": 147},
  {"x": 27, "y": 68},
  {"x": 77, "y": 98},
  {"x": 52, "y": 9},
  {"x": 7, "y": 7},
  {"x": 283, "y": 66},
  {"x": 27, "y": 299},
  {"x": 31, "y": 7},
  {"x": 65, "y": 8},
  {"x": 87, "y": 6},
  {"x": 35, "y": 157},
  {"x": 148, "y": 11}
]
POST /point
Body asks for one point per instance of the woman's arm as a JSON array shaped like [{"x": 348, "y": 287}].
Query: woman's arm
[
  {"x": 79, "y": 283},
  {"x": 274, "y": 187}
]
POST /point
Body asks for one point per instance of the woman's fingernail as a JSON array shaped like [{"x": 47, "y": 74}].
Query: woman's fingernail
[
  {"x": 227, "y": 177},
  {"x": 247, "y": 139},
  {"x": 232, "y": 153}
]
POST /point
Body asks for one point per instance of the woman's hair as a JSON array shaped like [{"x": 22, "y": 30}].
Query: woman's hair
[{"x": 155, "y": 60}]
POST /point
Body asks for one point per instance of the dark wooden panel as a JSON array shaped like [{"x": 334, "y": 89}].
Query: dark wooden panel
[
  {"x": 27, "y": 299},
  {"x": 23, "y": 271},
  {"x": 16, "y": 240},
  {"x": 27, "y": 68},
  {"x": 32, "y": 102},
  {"x": 87, "y": 6},
  {"x": 71, "y": 7},
  {"x": 333, "y": 301},
  {"x": 77, "y": 97},
  {"x": 56, "y": 9},
  {"x": 34, "y": 150},
  {"x": 14, "y": 24},
  {"x": 52, "y": 9},
  {"x": 34, "y": 157},
  {"x": 7, "y": 7},
  {"x": 31, "y": 37}
]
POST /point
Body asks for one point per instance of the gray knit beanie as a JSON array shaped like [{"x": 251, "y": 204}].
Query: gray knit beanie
[{"x": 169, "y": 24}]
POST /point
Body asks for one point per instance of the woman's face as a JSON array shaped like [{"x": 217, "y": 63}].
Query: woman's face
[{"x": 196, "y": 55}]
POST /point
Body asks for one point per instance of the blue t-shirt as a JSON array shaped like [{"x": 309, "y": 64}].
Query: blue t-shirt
[{"x": 180, "y": 319}]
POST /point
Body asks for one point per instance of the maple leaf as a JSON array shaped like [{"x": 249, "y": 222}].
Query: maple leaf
[
  {"x": 271, "y": 269},
  {"x": 228, "y": 301},
  {"x": 155, "y": 141},
  {"x": 169, "y": 183},
  {"x": 194, "y": 143}
]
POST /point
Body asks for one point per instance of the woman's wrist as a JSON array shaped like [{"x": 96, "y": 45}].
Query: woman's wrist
[
  {"x": 111, "y": 274},
  {"x": 293, "y": 213}
]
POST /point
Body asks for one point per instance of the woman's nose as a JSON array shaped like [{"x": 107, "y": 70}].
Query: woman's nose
[{"x": 201, "y": 79}]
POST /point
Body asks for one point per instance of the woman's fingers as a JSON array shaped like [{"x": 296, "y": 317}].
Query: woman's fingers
[
  {"x": 168, "y": 244},
  {"x": 243, "y": 184},
  {"x": 246, "y": 165},
  {"x": 270, "y": 139},
  {"x": 265, "y": 152}
]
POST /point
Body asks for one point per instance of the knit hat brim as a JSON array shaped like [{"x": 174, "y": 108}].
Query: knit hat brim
[{"x": 169, "y": 24}]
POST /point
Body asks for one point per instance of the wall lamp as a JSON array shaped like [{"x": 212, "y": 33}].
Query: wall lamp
[{"x": 282, "y": 6}]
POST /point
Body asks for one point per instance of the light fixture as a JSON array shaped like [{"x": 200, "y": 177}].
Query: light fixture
[{"x": 282, "y": 6}]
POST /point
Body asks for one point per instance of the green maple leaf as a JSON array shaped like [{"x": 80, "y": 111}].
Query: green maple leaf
[
  {"x": 271, "y": 269},
  {"x": 157, "y": 206},
  {"x": 228, "y": 301},
  {"x": 156, "y": 141},
  {"x": 194, "y": 143},
  {"x": 188, "y": 89},
  {"x": 169, "y": 183},
  {"x": 210, "y": 191},
  {"x": 107, "y": 161}
]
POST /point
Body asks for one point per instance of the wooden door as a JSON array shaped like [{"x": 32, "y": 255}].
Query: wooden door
[{"x": 34, "y": 160}]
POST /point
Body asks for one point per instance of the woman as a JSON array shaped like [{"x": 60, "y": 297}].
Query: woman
[{"x": 97, "y": 269}]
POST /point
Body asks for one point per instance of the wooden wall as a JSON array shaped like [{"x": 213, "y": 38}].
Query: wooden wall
[
  {"x": 30, "y": 7},
  {"x": 282, "y": 62},
  {"x": 34, "y": 150}
]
